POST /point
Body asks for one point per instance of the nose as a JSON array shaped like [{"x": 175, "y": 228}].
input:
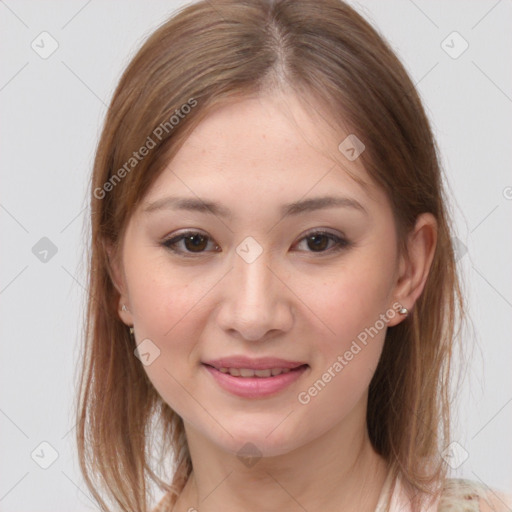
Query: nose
[{"x": 256, "y": 304}]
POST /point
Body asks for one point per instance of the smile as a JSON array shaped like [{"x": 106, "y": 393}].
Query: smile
[
  {"x": 251, "y": 383},
  {"x": 247, "y": 372}
]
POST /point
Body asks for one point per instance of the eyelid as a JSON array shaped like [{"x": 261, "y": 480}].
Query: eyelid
[{"x": 321, "y": 231}]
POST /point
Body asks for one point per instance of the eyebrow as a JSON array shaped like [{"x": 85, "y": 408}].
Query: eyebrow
[{"x": 213, "y": 208}]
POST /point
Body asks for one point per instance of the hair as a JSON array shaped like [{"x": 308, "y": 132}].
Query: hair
[{"x": 207, "y": 55}]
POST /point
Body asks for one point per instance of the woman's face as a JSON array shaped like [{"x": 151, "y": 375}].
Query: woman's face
[{"x": 270, "y": 270}]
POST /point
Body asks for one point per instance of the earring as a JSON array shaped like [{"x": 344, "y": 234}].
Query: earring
[
  {"x": 403, "y": 311},
  {"x": 124, "y": 308},
  {"x": 131, "y": 331}
]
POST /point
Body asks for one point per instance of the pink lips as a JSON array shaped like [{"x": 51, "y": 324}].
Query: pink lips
[{"x": 254, "y": 387}]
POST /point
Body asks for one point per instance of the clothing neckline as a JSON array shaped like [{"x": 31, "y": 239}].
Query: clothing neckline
[{"x": 394, "y": 497}]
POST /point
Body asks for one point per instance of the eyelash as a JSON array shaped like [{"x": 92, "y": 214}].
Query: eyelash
[{"x": 170, "y": 243}]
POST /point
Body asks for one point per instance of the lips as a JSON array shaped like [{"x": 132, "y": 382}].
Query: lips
[{"x": 238, "y": 378}]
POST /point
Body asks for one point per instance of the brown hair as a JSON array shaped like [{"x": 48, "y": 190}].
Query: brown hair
[{"x": 206, "y": 55}]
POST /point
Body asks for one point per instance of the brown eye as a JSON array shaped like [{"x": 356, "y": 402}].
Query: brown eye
[
  {"x": 195, "y": 243},
  {"x": 323, "y": 242},
  {"x": 188, "y": 243},
  {"x": 318, "y": 242}
]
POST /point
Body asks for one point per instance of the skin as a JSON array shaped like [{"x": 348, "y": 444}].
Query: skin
[{"x": 292, "y": 302}]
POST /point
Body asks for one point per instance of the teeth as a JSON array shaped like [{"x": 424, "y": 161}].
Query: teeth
[
  {"x": 247, "y": 372},
  {"x": 263, "y": 373}
]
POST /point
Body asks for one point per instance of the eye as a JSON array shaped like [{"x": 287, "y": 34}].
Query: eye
[
  {"x": 318, "y": 241},
  {"x": 193, "y": 241}
]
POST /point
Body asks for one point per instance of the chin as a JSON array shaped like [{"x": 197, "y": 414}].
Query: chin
[{"x": 262, "y": 440}]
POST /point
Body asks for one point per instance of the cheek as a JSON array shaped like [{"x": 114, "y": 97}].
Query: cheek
[
  {"x": 346, "y": 360},
  {"x": 353, "y": 298},
  {"x": 163, "y": 299},
  {"x": 354, "y": 304},
  {"x": 357, "y": 332},
  {"x": 166, "y": 309}
]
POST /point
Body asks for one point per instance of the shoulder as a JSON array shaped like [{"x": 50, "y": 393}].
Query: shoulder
[{"x": 460, "y": 495}]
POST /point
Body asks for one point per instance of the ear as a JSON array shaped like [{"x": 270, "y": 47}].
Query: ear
[
  {"x": 117, "y": 276},
  {"x": 414, "y": 266}
]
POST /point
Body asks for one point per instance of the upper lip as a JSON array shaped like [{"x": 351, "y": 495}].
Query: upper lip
[{"x": 263, "y": 363}]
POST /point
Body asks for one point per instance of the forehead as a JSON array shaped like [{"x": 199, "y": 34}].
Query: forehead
[{"x": 260, "y": 149}]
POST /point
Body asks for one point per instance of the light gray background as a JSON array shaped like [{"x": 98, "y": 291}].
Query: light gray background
[{"x": 51, "y": 113}]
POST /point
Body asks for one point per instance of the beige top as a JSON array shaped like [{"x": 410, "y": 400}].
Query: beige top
[{"x": 457, "y": 496}]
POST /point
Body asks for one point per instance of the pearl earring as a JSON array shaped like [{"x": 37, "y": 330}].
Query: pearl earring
[
  {"x": 124, "y": 308},
  {"x": 403, "y": 311}
]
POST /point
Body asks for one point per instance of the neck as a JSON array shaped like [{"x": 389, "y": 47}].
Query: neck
[{"x": 335, "y": 472}]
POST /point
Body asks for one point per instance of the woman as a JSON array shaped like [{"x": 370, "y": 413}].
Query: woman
[{"x": 273, "y": 291}]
